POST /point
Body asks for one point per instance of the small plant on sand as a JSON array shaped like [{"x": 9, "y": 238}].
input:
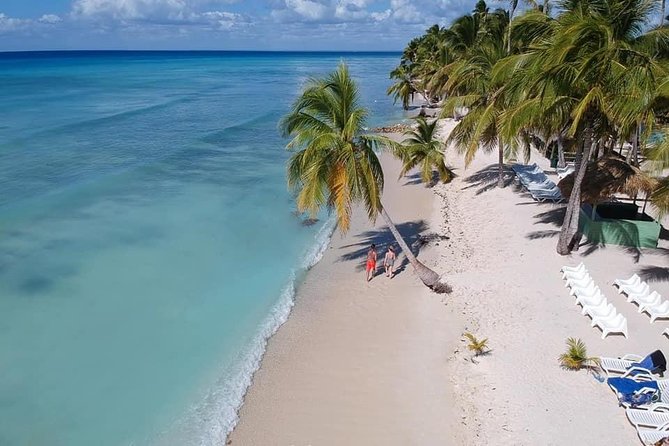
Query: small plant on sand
[
  {"x": 576, "y": 356},
  {"x": 478, "y": 346}
]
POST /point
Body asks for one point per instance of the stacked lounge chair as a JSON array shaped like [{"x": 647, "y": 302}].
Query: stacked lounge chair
[
  {"x": 639, "y": 292},
  {"x": 537, "y": 183},
  {"x": 588, "y": 295}
]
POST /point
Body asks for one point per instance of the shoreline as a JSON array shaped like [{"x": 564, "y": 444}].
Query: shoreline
[
  {"x": 343, "y": 367},
  {"x": 385, "y": 362}
]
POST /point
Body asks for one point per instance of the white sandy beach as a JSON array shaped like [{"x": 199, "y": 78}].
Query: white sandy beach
[{"x": 384, "y": 362}]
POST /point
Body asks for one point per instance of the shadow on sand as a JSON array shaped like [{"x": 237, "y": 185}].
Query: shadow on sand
[
  {"x": 486, "y": 178},
  {"x": 411, "y": 232}
]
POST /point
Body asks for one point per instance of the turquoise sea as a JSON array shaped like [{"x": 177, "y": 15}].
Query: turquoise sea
[{"x": 148, "y": 245}]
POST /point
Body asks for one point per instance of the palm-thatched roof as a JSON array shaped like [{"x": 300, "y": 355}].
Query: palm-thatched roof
[{"x": 606, "y": 177}]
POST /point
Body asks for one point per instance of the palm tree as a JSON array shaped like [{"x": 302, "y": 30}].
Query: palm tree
[
  {"x": 471, "y": 85},
  {"x": 424, "y": 150},
  {"x": 403, "y": 89},
  {"x": 333, "y": 163},
  {"x": 589, "y": 71}
]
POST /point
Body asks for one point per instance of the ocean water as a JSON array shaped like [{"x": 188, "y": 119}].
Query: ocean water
[{"x": 148, "y": 244}]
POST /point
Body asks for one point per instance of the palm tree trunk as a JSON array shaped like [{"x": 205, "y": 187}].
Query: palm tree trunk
[
  {"x": 560, "y": 145},
  {"x": 427, "y": 276},
  {"x": 569, "y": 229},
  {"x": 514, "y": 4},
  {"x": 500, "y": 177},
  {"x": 544, "y": 8}
]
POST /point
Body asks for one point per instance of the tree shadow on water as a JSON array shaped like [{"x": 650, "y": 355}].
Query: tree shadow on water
[{"x": 411, "y": 231}]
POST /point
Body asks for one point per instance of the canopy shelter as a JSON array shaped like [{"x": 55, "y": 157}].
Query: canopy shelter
[{"x": 614, "y": 223}]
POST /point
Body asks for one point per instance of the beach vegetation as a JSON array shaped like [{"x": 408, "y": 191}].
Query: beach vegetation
[
  {"x": 587, "y": 77},
  {"x": 424, "y": 149},
  {"x": 476, "y": 345},
  {"x": 576, "y": 357},
  {"x": 334, "y": 164}
]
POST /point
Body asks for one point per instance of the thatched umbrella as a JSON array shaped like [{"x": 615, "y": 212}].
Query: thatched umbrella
[{"x": 605, "y": 178}]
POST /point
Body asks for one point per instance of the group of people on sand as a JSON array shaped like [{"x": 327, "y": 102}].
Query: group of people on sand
[{"x": 388, "y": 262}]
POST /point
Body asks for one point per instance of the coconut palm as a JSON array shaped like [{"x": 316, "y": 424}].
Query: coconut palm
[
  {"x": 423, "y": 149},
  {"x": 403, "y": 89},
  {"x": 592, "y": 68},
  {"x": 471, "y": 85},
  {"x": 333, "y": 163}
]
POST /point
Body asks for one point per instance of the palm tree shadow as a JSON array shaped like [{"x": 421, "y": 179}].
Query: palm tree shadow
[
  {"x": 411, "y": 232},
  {"x": 486, "y": 178}
]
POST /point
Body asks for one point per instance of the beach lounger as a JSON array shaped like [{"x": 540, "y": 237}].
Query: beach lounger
[
  {"x": 639, "y": 289},
  {"x": 578, "y": 275},
  {"x": 543, "y": 197},
  {"x": 658, "y": 311},
  {"x": 609, "y": 313},
  {"x": 634, "y": 280},
  {"x": 650, "y": 437},
  {"x": 567, "y": 270},
  {"x": 651, "y": 300},
  {"x": 579, "y": 282},
  {"x": 601, "y": 310},
  {"x": 590, "y": 301},
  {"x": 617, "y": 324},
  {"x": 590, "y": 290},
  {"x": 654, "y": 362},
  {"x": 653, "y": 417}
]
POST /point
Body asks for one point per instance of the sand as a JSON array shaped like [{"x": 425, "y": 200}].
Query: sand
[
  {"x": 385, "y": 363},
  {"x": 358, "y": 362}
]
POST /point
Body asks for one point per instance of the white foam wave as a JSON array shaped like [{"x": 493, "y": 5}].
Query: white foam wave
[{"x": 211, "y": 422}]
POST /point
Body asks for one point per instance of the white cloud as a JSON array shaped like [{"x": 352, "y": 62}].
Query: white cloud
[
  {"x": 11, "y": 24},
  {"x": 224, "y": 20},
  {"x": 130, "y": 9},
  {"x": 50, "y": 19},
  {"x": 308, "y": 9}
]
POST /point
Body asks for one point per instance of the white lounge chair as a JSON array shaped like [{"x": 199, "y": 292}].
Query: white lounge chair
[
  {"x": 601, "y": 311},
  {"x": 652, "y": 300},
  {"x": 608, "y": 314},
  {"x": 636, "y": 290},
  {"x": 573, "y": 269},
  {"x": 618, "y": 366},
  {"x": 634, "y": 280},
  {"x": 582, "y": 283},
  {"x": 658, "y": 311},
  {"x": 651, "y": 436},
  {"x": 568, "y": 276},
  {"x": 579, "y": 281},
  {"x": 590, "y": 301},
  {"x": 653, "y": 417},
  {"x": 617, "y": 324},
  {"x": 585, "y": 292}
]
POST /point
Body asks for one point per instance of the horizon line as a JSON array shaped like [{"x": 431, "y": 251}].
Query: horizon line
[{"x": 196, "y": 51}]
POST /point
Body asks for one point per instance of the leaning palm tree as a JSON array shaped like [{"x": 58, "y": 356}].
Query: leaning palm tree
[
  {"x": 423, "y": 149},
  {"x": 333, "y": 163}
]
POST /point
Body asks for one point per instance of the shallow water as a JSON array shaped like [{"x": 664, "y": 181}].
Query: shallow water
[{"x": 147, "y": 240}]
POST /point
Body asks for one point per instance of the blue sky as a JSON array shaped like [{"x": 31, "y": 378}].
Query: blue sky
[{"x": 221, "y": 24}]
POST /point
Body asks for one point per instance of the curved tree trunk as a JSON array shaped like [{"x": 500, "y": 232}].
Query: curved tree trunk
[
  {"x": 500, "y": 177},
  {"x": 662, "y": 12},
  {"x": 568, "y": 233},
  {"x": 426, "y": 275}
]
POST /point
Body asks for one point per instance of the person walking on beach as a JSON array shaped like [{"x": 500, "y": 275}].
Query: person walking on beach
[
  {"x": 389, "y": 262},
  {"x": 371, "y": 262}
]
